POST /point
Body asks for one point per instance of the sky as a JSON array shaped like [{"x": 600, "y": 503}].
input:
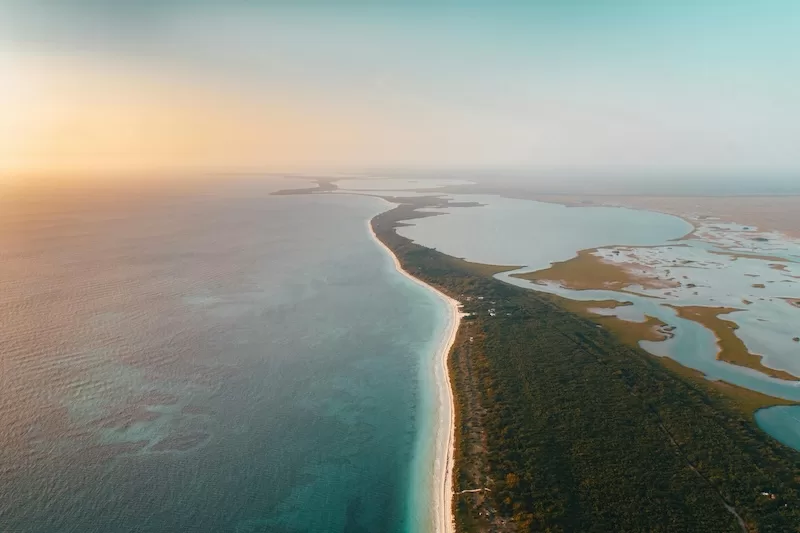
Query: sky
[{"x": 625, "y": 86}]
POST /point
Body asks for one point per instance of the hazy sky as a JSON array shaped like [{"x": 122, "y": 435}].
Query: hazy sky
[{"x": 685, "y": 87}]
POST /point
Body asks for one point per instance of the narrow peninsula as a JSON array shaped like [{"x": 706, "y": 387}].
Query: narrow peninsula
[{"x": 562, "y": 426}]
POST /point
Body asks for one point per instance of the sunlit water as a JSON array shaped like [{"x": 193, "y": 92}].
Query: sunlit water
[{"x": 213, "y": 360}]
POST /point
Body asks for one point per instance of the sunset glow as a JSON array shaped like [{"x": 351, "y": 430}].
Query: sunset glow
[
  {"x": 63, "y": 115},
  {"x": 266, "y": 86}
]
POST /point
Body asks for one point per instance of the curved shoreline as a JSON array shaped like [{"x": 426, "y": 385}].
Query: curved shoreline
[{"x": 444, "y": 521}]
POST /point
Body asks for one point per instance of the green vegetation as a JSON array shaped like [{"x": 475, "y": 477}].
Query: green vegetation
[{"x": 564, "y": 427}]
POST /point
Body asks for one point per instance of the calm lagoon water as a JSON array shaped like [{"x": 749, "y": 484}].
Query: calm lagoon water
[
  {"x": 782, "y": 422},
  {"x": 533, "y": 234},
  {"x": 210, "y": 360}
]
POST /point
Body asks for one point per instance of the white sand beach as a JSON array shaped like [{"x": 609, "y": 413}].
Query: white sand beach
[{"x": 445, "y": 433}]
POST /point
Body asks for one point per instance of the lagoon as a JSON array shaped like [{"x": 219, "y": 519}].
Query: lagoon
[{"x": 522, "y": 232}]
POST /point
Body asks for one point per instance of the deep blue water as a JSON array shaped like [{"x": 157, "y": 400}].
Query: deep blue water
[{"x": 209, "y": 359}]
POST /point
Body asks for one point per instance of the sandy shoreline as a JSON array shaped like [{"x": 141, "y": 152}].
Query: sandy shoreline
[{"x": 445, "y": 434}]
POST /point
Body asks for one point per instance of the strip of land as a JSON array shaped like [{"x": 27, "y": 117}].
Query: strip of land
[
  {"x": 564, "y": 427},
  {"x": 321, "y": 185}
]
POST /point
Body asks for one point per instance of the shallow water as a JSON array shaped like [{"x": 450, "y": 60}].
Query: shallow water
[
  {"x": 210, "y": 360},
  {"x": 759, "y": 293},
  {"x": 782, "y": 422}
]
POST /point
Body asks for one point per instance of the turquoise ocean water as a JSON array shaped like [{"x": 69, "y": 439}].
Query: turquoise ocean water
[{"x": 213, "y": 359}]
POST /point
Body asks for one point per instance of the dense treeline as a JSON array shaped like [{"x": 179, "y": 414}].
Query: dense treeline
[{"x": 571, "y": 430}]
